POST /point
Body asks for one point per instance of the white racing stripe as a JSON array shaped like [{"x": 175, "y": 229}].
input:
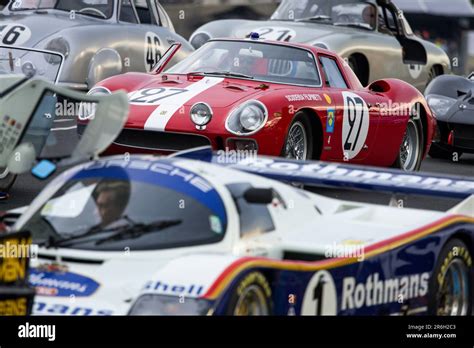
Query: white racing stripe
[{"x": 163, "y": 113}]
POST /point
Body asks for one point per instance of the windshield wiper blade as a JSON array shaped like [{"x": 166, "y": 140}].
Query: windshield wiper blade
[
  {"x": 96, "y": 229},
  {"x": 355, "y": 25},
  {"x": 140, "y": 229},
  {"x": 315, "y": 18},
  {"x": 228, "y": 74},
  {"x": 133, "y": 228}
]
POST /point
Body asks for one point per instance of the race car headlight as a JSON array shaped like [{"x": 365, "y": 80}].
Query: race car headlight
[
  {"x": 87, "y": 110},
  {"x": 59, "y": 45},
  {"x": 247, "y": 119},
  {"x": 169, "y": 305},
  {"x": 440, "y": 104},
  {"x": 199, "y": 39},
  {"x": 201, "y": 114}
]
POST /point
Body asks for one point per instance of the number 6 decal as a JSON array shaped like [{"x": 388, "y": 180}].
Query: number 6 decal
[{"x": 355, "y": 127}]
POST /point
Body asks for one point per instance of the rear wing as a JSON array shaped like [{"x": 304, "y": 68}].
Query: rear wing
[{"x": 335, "y": 175}]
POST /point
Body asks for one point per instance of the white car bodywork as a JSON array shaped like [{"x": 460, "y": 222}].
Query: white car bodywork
[{"x": 304, "y": 222}]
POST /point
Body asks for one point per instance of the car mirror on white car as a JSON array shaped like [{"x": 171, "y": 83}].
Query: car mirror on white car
[{"x": 261, "y": 196}]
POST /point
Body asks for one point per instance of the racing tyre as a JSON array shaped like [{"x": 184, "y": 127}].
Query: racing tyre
[
  {"x": 6, "y": 180},
  {"x": 451, "y": 289},
  {"x": 410, "y": 154},
  {"x": 299, "y": 140},
  {"x": 251, "y": 296},
  {"x": 440, "y": 152}
]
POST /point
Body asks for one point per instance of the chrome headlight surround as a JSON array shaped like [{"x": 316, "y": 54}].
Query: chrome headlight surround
[
  {"x": 439, "y": 104},
  {"x": 87, "y": 112},
  {"x": 201, "y": 114},
  {"x": 155, "y": 304},
  {"x": 247, "y": 119}
]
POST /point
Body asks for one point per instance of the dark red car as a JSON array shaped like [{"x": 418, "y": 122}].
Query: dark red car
[{"x": 277, "y": 98}]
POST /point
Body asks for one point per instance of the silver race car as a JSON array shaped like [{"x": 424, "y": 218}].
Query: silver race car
[
  {"x": 98, "y": 38},
  {"x": 372, "y": 35}
]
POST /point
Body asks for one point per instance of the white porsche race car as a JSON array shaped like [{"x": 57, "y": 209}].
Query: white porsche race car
[{"x": 178, "y": 235}]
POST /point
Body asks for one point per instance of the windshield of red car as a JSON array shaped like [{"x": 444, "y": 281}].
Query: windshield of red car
[
  {"x": 336, "y": 12},
  {"x": 256, "y": 60},
  {"x": 95, "y": 8}
]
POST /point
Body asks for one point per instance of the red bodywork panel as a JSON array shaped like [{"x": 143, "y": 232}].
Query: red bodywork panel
[{"x": 346, "y": 141}]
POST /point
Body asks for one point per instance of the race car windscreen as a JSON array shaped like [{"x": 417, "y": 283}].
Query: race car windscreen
[
  {"x": 254, "y": 60},
  {"x": 96, "y": 8},
  {"x": 336, "y": 12},
  {"x": 31, "y": 63},
  {"x": 113, "y": 212}
]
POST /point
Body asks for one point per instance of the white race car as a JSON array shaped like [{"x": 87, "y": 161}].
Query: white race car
[{"x": 177, "y": 235}]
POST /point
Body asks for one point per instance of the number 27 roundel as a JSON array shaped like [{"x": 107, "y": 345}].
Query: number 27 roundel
[{"x": 355, "y": 126}]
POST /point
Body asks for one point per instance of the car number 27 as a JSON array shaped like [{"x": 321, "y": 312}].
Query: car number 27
[
  {"x": 355, "y": 127},
  {"x": 152, "y": 96}
]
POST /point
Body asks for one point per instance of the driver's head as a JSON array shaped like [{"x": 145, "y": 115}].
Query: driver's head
[
  {"x": 368, "y": 15},
  {"x": 111, "y": 198}
]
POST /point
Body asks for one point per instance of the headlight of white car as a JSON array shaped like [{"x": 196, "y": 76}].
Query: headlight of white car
[
  {"x": 169, "y": 305},
  {"x": 440, "y": 104},
  {"x": 247, "y": 119},
  {"x": 201, "y": 114}
]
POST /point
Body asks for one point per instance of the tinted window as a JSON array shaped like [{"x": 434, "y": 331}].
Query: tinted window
[
  {"x": 334, "y": 76},
  {"x": 144, "y": 12},
  {"x": 95, "y": 8},
  {"x": 254, "y": 218},
  {"x": 352, "y": 13},
  {"x": 127, "y": 12},
  {"x": 257, "y": 60},
  {"x": 198, "y": 217}
]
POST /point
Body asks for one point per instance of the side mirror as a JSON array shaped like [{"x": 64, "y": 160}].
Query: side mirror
[{"x": 259, "y": 196}]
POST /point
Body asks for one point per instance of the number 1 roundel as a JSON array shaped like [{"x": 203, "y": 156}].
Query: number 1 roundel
[
  {"x": 320, "y": 297},
  {"x": 355, "y": 126}
]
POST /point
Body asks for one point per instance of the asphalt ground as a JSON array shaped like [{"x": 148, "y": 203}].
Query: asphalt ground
[{"x": 26, "y": 187}]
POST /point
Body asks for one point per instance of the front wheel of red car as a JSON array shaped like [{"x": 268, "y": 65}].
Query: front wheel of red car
[
  {"x": 410, "y": 154},
  {"x": 299, "y": 140}
]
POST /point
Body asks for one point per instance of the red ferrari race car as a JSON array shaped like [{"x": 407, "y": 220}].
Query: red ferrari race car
[{"x": 277, "y": 98}]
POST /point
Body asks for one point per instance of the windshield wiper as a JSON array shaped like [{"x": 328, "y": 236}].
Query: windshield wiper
[
  {"x": 316, "y": 18},
  {"x": 137, "y": 230},
  {"x": 355, "y": 25},
  {"x": 223, "y": 73},
  {"x": 130, "y": 227},
  {"x": 96, "y": 229}
]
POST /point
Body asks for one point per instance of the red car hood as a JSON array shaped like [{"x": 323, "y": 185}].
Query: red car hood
[{"x": 179, "y": 94}]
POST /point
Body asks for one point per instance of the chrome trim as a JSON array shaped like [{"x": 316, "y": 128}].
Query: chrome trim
[
  {"x": 94, "y": 89},
  {"x": 242, "y": 106},
  {"x": 210, "y": 110},
  {"x": 22, "y": 48}
]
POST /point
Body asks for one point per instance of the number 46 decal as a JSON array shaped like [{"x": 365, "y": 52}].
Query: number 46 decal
[
  {"x": 152, "y": 50},
  {"x": 355, "y": 126}
]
